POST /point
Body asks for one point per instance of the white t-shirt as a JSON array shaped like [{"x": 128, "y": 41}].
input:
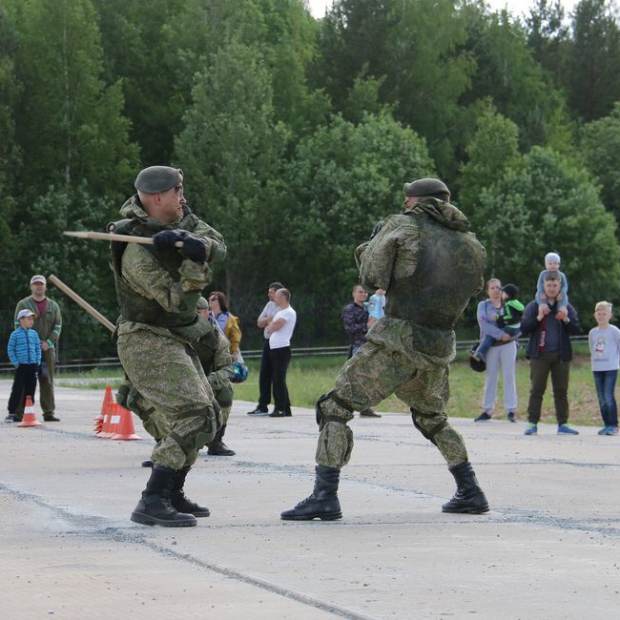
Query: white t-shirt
[
  {"x": 282, "y": 337},
  {"x": 605, "y": 348},
  {"x": 271, "y": 307}
]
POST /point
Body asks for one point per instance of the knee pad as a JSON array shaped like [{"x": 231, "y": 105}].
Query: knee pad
[
  {"x": 428, "y": 430},
  {"x": 335, "y": 444},
  {"x": 330, "y": 407}
]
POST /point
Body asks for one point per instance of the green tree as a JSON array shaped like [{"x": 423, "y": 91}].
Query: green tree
[
  {"x": 594, "y": 64},
  {"x": 68, "y": 124},
  {"x": 340, "y": 182},
  {"x": 494, "y": 147},
  {"x": 600, "y": 147},
  {"x": 549, "y": 203},
  {"x": 231, "y": 151}
]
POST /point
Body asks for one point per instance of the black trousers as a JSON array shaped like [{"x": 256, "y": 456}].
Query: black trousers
[
  {"x": 280, "y": 359},
  {"x": 265, "y": 377},
  {"x": 24, "y": 384}
]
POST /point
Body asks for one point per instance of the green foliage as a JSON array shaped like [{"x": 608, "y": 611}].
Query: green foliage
[
  {"x": 340, "y": 182},
  {"x": 231, "y": 151},
  {"x": 69, "y": 125},
  {"x": 600, "y": 148},
  {"x": 548, "y": 203}
]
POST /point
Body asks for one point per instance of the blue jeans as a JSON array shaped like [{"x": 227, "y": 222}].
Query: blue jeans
[
  {"x": 605, "y": 381},
  {"x": 489, "y": 341}
]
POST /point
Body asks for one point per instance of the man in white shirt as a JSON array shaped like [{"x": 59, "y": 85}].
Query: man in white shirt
[
  {"x": 265, "y": 379},
  {"x": 280, "y": 330}
]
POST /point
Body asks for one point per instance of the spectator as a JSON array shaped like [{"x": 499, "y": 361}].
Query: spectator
[
  {"x": 48, "y": 325},
  {"x": 280, "y": 330},
  {"x": 355, "y": 320},
  {"x": 228, "y": 323},
  {"x": 265, "y": 379},
  {"x": 549, "y": 351},
  {"x": 509, "y": 321},
  {"x": 24, "y": 351},
  {"x": 604, "y": 343},
  {"x": 376, "y": 307},
  {"x": 552, "y": 263},
  {"x": 501, "y": 356}
]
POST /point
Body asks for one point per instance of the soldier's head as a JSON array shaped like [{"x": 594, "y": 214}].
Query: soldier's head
[
  {"x": 203, "y": 307},
  {"x": 160, "y": 189},
  {"x": 552, "y": 283},
  {"x": 359, "y": 294},
  {"x": 427, "y": 187}
]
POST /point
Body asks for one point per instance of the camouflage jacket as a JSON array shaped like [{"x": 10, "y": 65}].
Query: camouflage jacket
[
  {"x": 355, "y": 323},
  {"x": 146, "y": 277}
]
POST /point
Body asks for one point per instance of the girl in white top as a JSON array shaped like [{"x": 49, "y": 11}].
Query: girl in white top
[{"x": 604, "y": 341}]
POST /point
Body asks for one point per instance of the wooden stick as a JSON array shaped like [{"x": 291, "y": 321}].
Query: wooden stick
[
  {"x": 89, "y": 234},
  {"x": 81, "y": 302}
]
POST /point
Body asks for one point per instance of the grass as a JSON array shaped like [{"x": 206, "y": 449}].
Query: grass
[{"x": 309, "y": 377}]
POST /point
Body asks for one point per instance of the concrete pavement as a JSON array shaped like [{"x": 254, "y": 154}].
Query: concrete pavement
[{"x": 548, "y": 549}]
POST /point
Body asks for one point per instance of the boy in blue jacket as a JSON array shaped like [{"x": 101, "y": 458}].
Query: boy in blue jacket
[{"x": 24, "y": 350}]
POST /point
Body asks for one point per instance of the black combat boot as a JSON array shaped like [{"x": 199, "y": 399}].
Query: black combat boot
[
  {"x": 217, "y": 447},
  {"x": 155, "y": 508},
  {"x": 469, "y": 497},
  {"x": 148, "y": 463},
  {"x": 323, "y": 503},
  {"x": 180, "y": 502}
]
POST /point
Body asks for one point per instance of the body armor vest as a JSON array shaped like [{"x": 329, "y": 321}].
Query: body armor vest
[{"x": 449, "y": 270}]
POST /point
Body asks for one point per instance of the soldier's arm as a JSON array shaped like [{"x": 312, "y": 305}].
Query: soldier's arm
[
  {"x": 382, "y": 257},
  {"x": 216, "y": 248},
  {"x": 222, "y": 362},
  {"x": 145, "y": 276}
]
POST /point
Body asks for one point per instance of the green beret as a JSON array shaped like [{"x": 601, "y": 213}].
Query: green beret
[
  {"x": 426, "y": 187},
  {"x": 156, "y": 179},
  {"x": 202, "y": 304}
]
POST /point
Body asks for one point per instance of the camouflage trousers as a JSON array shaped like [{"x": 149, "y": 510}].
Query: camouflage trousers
[
  {"x": 388, "y": 364},
  {"x": 170, "y": 393}
]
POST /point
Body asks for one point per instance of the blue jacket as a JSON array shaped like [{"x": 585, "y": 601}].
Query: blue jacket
[{"x": 24, "y": 347}]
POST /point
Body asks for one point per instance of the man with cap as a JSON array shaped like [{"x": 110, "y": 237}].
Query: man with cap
[
  {"x": 430, "y": 265},
  {"x": 158, "y": 287},
  {"x": 48, "y": 325}
]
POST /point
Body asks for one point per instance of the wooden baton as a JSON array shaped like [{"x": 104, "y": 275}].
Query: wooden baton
[
  {"x": 81, "y": 302},
  {"x": 103, "y": 236}
]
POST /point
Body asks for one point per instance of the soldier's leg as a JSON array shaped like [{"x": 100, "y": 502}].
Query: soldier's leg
[
  {"x": 365, "y": 380},
  {"x": 46, "y": 385},
  {"x": 177, "y": 386},
  {"x": 427, "y": 393}
]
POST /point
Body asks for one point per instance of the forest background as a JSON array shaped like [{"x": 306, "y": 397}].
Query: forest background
[{"x": 296, "y": 135}]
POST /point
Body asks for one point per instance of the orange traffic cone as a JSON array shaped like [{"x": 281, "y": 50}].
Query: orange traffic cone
[
  {"x": 125, "y": 428},
  {"x": 30, "y": 417},
  {"x": 108, "y": 400}
]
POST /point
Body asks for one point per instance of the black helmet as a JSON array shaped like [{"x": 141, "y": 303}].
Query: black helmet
[
  {"x": 427, "y": 187},
  {"x": 474, "y": 363}
]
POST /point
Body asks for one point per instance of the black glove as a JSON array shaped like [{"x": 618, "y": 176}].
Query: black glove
[
  {"x": 194, "y": 249},
  {"x": 167, "y": 238}
]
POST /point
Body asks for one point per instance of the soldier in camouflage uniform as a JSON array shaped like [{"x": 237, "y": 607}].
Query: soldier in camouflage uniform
[
  {"x": 158, "y": 287},
  {"x": 213, "y": 350},
  {"x": 430, "y": 266}
]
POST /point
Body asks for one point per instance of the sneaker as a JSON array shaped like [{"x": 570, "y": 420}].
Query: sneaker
[
  {"x": 277, "y": 413},
  {"x": 565, "y": 429},
  {"x": 512, "y": 416},
  {"x": 483, "y": 417},
  {"x": 369, "y": 413},
  {"x": 10, "y": 418},
  {"x": 532, "y": 429},
  {"x": 258, "y": 412},
  {"x": 603, "y": 431},
  {"x": 609, "y": 430}
]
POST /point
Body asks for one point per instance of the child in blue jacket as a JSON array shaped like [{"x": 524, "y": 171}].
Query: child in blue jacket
[{"x": 24, "y": 350}]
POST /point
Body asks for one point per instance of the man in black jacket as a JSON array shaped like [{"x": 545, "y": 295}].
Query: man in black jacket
[{"x": 549, "y": 351}]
